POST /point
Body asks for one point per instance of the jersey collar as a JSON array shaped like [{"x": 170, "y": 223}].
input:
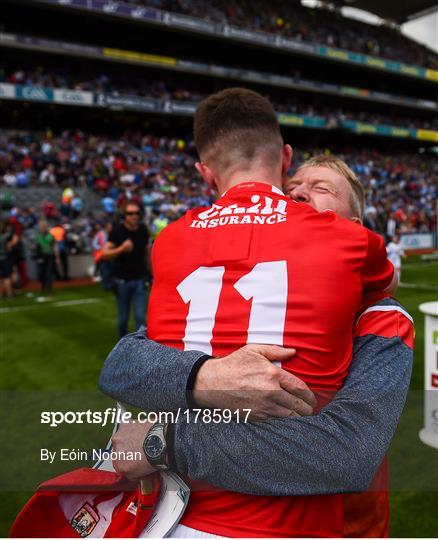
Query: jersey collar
[{"x": 253, "y": 186}]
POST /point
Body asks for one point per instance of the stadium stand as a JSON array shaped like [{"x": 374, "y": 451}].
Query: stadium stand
[
  {"x": 384, "y": 126},
  {"x": 96, "y": 105},
  {"x": 194, "y": 91},
  {"x": 300, "y": 23},
  {"x": 159, "y": 172}
]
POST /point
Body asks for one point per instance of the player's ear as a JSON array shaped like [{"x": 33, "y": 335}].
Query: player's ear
[
  {"x": 287, "y": 159},
  {"x": 207, "y": 174},
  {"x": 356, "y": 220}
]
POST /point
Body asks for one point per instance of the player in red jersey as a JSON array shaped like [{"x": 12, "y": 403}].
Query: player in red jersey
[
  {"x": 324, "y": 182},
  {"x": 259, "y": 268}
]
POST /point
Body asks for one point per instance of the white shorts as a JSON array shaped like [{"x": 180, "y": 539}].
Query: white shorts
[{"x": 181, "y": 531}]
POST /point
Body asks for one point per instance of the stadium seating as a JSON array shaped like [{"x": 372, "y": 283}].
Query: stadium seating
[
  {"x": 303, "y": 24},
  {"x": 159, "y": 173},
  {"x": 193, "y": 91}
]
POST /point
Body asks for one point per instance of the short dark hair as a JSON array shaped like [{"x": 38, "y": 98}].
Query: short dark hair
[{"x": 236, "y": 123}]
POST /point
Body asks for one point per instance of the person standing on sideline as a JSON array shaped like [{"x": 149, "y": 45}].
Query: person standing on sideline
[
  {"x": 8, "y": 239},
  {"x": 45, "y": 256},
  {"x": 391, "y": 226},
  {"x": 395, "y": 253},
  {"x": 60, "y": 235},
  {"x": 128, "y": 246},
  {"x": 102, "y": 267}
]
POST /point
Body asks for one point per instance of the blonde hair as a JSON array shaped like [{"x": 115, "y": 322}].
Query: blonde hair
[{"x": 357, "y": 196}]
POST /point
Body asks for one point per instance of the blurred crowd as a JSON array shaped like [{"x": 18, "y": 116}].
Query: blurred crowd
[
  {"x": 116, "y": 85},
  {"x": 401, "y": 189},
  {"x": 62, "y": 193},
  {"x": 158, "y": 171},
  {"x": 159, "y": 174},
  {"x": 297, "y": 22},
  {"x": 193, "y": 91},
  {"x": 96, "y": 176}
]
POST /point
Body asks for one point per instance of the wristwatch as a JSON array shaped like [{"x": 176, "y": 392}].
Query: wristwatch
[{"x": 154, "y": 447}]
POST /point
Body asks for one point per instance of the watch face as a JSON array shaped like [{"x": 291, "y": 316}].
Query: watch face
[{"x": 153, "y": 446}]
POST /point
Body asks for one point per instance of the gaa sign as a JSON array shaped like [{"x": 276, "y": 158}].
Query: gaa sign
[{"x": 417, "y": 241}]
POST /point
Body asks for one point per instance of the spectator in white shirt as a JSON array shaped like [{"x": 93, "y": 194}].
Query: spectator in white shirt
[
  {"x": 395, "y": 253},
  {"x": 391, "y": 226}
]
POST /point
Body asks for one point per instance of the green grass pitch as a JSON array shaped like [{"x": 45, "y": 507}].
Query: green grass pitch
[{"x": 60, "y": 345}]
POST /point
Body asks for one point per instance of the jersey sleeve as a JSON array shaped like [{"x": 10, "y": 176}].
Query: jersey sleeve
[
  {"x": 378, "y": 271},
  {"x": 386, "y": 319}
]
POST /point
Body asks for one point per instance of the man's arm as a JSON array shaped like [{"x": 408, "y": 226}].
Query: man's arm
[
  {"x": 111, "y": 252},
  {"x": 145, "y": 374},
  {"x": 153, "y": 377},
  {"x": 335, "y": 451}
]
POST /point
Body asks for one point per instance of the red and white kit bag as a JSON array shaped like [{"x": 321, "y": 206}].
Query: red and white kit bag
[{"x": 88, "y": 503}]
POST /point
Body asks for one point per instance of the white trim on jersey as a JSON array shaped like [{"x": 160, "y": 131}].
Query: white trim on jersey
[
  {"x": 277, "y": 190},
  {"x": 386, "y": 308}
]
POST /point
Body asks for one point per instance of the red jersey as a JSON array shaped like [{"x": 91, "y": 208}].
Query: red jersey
[{"x": 256, "y": 267}]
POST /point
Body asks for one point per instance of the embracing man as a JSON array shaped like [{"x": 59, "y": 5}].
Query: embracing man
[{"x": 259, "y": 268}]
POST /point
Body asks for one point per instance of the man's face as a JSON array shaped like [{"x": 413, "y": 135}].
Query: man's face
[
  {"x": 323, "y": 189},
  {"x": 132, "y": 215}
]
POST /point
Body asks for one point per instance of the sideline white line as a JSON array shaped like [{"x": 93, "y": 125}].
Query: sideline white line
[
  {"x": 77, "y": 302},
  {"x": 61, "y": 303},
  {"x": 424, "y": 286},
  {"x": 425, "y": 264}
]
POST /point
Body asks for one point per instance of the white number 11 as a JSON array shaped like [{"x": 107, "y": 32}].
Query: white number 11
[{"x": 266, "y": 284}]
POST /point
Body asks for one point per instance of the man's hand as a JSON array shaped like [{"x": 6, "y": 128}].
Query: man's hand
[
  {"x": 127, "y": 245},
  {"x": 129, "y": 438},
  {"x": 247, "y": 379}
]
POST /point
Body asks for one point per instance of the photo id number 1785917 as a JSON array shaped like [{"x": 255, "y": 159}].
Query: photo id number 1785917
[{"x": 216, "y": 416}]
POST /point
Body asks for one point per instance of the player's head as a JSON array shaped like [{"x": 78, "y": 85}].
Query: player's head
[
  {"x": 236, "y": 131},
  {"x": 327, "y": 182}
]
